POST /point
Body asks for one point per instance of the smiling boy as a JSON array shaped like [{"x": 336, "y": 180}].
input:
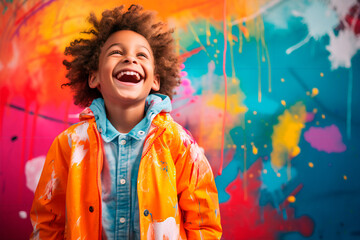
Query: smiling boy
[{"x": 127, "y": 170}]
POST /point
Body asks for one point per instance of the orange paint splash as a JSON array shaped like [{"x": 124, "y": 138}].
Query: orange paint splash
[{"x": 225, "y": 95}]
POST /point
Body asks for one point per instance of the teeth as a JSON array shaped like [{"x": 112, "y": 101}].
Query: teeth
[{"x": 129, "y": 73}]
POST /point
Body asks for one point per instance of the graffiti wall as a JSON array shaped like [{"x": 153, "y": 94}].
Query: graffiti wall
[{"x": 270, "y": 91}]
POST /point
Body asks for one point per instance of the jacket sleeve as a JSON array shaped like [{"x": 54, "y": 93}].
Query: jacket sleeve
[
  {"x": 197, "y": 193},
  {"x": 48, "y": 209}
]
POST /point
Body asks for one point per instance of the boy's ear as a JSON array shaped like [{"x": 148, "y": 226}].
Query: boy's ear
[
  {"x": 93, "y": 80},
  {"x": 156, "y": 84}
]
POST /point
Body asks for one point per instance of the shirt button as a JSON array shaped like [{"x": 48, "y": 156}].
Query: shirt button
[
  {"x": 122, "y": 181},
  {"x": 123, "y": 142},
  {"x": 122, "y": 220},
  {"x": 141, "y": 133},
  {"x": 146, "y": 212},
  {"x": 91, "y": 209}
]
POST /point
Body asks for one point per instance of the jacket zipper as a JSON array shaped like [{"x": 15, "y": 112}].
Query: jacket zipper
[{"x": 97, "y": 178}]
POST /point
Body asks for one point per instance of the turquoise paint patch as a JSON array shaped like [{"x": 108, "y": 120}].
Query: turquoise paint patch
[
  {"x": 271, "y": 181},
  {"x": 228, "y": 176},
  {"x": 266, "y": 106},
  {"x": 285, "y": 217}
]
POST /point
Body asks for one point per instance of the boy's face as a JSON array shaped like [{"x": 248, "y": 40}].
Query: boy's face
[{"x": 126, "y": 69}]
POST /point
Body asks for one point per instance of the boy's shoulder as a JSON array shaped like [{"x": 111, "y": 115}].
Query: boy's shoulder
[
  {"x": 165, "y": 120},
  {"x": 78, "y": 130},
  {"x": 172, "y": 128}
]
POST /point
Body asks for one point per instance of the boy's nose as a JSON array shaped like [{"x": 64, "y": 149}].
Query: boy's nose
[{"x": 130, "y": 59}]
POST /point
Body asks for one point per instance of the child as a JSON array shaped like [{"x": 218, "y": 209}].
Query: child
[{"x": 127, "y": 170}]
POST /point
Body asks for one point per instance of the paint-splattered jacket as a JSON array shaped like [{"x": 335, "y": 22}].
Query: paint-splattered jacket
[{"x": 176, "y": 189}]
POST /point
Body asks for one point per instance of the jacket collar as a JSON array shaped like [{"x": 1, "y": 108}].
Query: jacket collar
[{"x": 157, "y": 128}]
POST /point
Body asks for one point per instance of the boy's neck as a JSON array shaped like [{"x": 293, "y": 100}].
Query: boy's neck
[{"x": 125, "y": 118}]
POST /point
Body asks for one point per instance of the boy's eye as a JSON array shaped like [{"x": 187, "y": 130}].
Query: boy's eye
[
  {"x": 142, "y": 55},
  {"x": 115, "y": 52}
]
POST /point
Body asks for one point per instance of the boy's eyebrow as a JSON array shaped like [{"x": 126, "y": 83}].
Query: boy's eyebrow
[
  {"x": 114, "y": 44},
  {"x": 143, "y": 46}
]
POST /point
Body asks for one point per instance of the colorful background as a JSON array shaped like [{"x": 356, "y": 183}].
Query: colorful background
[{"x": 285, "y": 149}]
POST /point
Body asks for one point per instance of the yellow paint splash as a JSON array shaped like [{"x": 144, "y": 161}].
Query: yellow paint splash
[
  {"x": 254, "y": 149},
  {"x": 314, "y": 92},
  {"x": 286, "y": 135},
  {"x": 208, "y": 33},
  {"x": 234, "y": 103},
  {"x": 295, "y": 151},
  {"x": 311, "y": 164},
  {"x": 291, "y": 199}
]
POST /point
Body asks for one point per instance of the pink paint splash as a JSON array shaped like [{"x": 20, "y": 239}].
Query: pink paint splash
[
  {"x": 327, "y": 139},
  {"x": 242, "y": 218},
  {"x": 309, "y": 117}
]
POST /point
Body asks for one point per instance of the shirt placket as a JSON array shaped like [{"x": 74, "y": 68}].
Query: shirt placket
[{"x": 123, "y": 190}]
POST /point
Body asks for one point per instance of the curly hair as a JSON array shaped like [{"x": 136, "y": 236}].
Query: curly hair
[{"x": 85, "y": 52}]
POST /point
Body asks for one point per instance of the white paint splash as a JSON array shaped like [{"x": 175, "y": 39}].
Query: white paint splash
[
  {"x": 50, "y": 186},
  {"x": 167, "y": 229},
  {"x": 281, "y": 14},
  {"x": 81, "y": 132},
  {"x": 33, "y": 170},
  {"x": 320, "y": 19},
  {"x": 78, "y": 155},
  {"x": 23, "y": 214},
  {"x": 342, "y": 48},
  {"x": 195, "y": 152},
  {"x": 298, "y": 45}
]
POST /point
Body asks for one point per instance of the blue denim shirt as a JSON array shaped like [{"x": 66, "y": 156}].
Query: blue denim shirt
[{"x": 120, "y": 210}]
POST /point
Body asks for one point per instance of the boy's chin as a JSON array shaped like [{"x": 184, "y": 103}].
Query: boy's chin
[{"x": 130, "y": 98}]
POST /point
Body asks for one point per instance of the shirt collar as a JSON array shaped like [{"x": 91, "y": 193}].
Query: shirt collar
[{"x": 155, "y": 103}]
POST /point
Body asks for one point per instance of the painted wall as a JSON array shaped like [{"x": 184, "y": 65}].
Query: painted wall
[{"x": 285, "y": 150}]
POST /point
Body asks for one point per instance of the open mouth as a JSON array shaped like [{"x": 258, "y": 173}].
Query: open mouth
[{"x": 128, "y": 76}]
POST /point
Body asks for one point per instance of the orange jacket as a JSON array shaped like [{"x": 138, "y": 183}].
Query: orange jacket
[{"x": 176, "y": 189}]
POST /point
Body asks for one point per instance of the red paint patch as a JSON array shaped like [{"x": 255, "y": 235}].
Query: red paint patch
[
  {"x": 352, "y": 18},
  {"x": 190, "y": 53},
  {"x": 243, "y": 218}
]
